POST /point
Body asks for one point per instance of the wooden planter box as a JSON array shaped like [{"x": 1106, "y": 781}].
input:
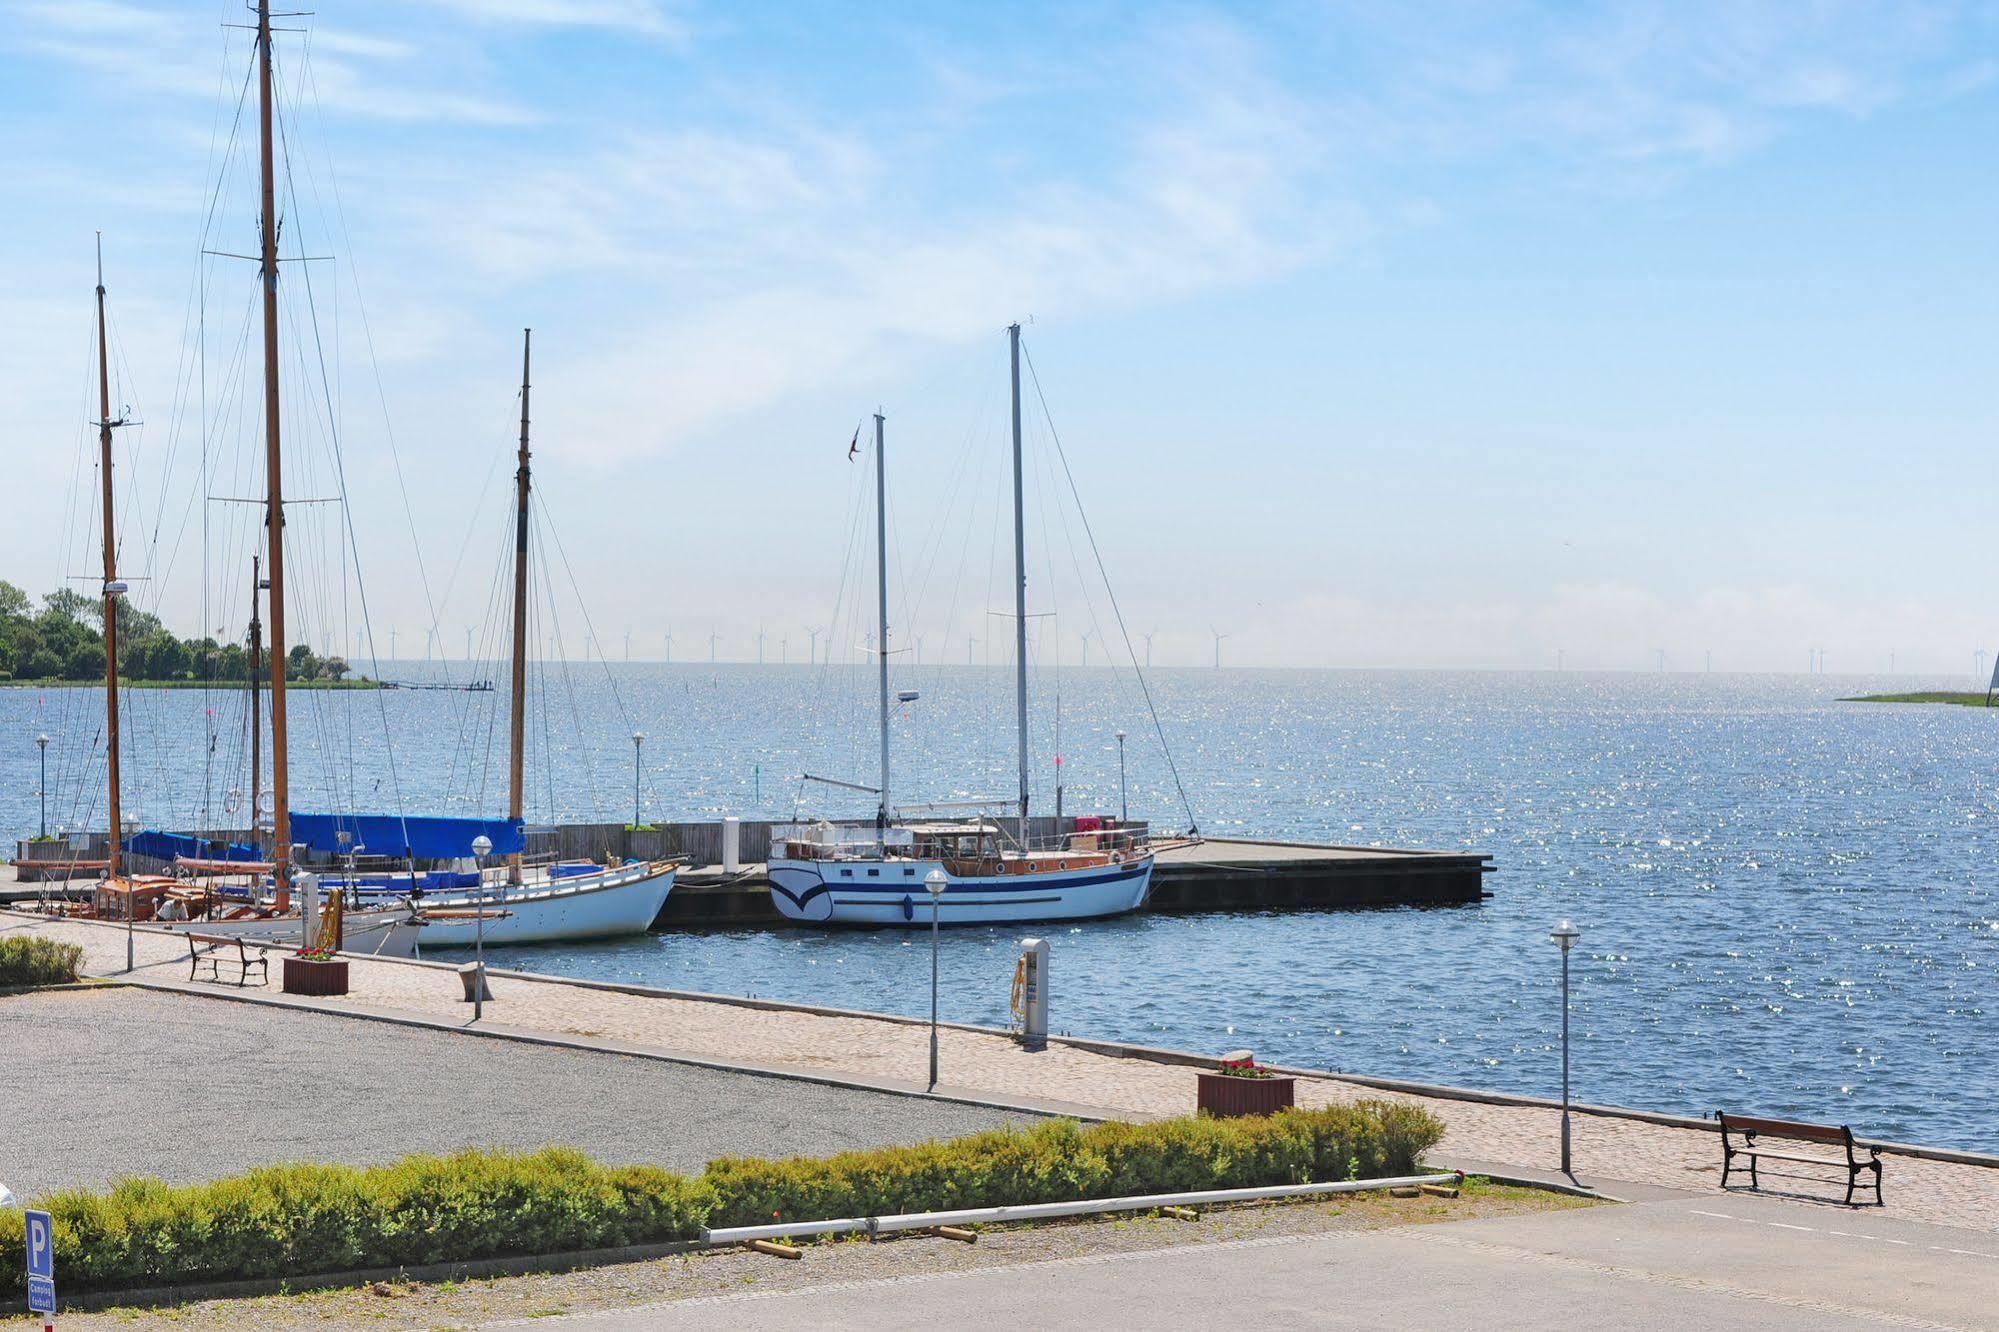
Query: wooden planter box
[
  {"x": 304, "y": 975},
  {"x": 1225, "y": 1097}
]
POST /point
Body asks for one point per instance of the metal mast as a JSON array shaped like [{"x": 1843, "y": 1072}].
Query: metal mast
[
  {"x": 517, "y": 722},
  {"x": 111, "y": 585},
  {"x": 881, "y": 596},
  {"x": 274, "y": 502},
  {"x": 1020, "y": 583}
]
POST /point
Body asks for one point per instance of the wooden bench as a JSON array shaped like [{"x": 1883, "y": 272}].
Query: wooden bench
[
  {"x": 243, "y": 962},
  {"x": 1754, "y": 1132}
]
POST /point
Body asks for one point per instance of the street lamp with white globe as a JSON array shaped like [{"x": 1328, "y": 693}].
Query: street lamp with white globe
[
  {"x": 1565, "y": 936},
  {"x": 482, "y": 846},
  {"x": 935, "y": 882}
]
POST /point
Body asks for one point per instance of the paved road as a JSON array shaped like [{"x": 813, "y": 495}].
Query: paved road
[
  {"x": 1706, "y": 1263},
  {"x": 113, "y": 1082}
]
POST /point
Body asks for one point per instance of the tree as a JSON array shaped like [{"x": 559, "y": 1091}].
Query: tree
[
  {"x": 85, "y": 660},
  {"x": 167, "y": 658},
  {"x": 333, "y": 668},
  {"x": 69, "y": 604},
  {"x": 42, "y": 665},
  {"x": 14, "y": 603}
]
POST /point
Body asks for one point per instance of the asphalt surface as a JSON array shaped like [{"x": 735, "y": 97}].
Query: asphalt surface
[
  {"x": 1709, "y": 1263},
  {"x": 105, "y": 1083}
]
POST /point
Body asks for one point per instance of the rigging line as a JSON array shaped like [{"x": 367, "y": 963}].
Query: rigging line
[
  {"x": 374, "y": 362},
  {"x": 1110, "y": 592},
  {"x": 338, "y": 457},
  {"x": 548, "y": 523}
]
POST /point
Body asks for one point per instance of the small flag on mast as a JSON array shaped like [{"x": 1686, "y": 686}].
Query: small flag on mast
[{"x": 854, "y": 447}]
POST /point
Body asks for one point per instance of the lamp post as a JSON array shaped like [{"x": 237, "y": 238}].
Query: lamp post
[
  {"x": 638, "y": 744},
  {"x": 130, "y": 825},
  {"x": 1123, "y": 805},
  {"x": 42, "y": 744},
  {"x": 1565, "y": 936},
  {"x": 482, "y": 846},
  {"x": 934, "y": 881}
]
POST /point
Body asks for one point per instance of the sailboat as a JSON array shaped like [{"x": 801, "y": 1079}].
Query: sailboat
[
  {"x": 985, "y": 874},
  {"x": 518, "y": 902}
]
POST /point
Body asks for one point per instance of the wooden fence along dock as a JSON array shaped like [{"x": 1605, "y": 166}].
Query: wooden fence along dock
[{"x": 1218, "y": 874}]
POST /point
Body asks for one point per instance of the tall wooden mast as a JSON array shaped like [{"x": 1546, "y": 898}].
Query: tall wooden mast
[
  {"x": 517, "y": 722},
  {"x": 111, "y": 585},
  {"x": 274, "y": 504}
]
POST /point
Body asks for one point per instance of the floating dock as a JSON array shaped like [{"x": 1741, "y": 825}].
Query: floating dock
[{"x": 1218, "y": 874}]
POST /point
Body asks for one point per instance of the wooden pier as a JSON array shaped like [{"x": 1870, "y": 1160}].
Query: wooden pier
[{"x": 1219, "y": 874}]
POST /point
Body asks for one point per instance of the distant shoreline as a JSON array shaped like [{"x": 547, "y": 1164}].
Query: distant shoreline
[
  {"x": 189, "y": 684},
  {"x": 1935, "y": 696}
]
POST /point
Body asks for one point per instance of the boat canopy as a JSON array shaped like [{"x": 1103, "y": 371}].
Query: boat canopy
[
  {"x": 426, "y": 838},
  {"x": 179, "y": 846}
]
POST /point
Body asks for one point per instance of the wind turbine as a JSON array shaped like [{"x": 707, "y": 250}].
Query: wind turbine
[
  {"x": 760, "y": 645},
  {"x": 468, "y": 642},
  {"x": 628, "y": 645},
  {"x": 392, "y": 642},
  {"x": 713, "y": 638},
  {"x": 1086, "y": 649},
  {"x": 1662, "y": 660},
  {"x": 1148, "y": 648},
  {"x": 1219, "y": 636},
  {"x": 919, "y": 649},
  {"x": 971, "y": 641},
  {"x": 784, "y": 650},
  {"x": 669, "y": 646},
  {"x": 812, "y": 647}
]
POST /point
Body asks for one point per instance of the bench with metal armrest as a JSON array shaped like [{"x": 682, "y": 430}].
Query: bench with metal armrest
[
  {"x": 214, "y": 959},
  {"x": 1755, "y": 1135}
]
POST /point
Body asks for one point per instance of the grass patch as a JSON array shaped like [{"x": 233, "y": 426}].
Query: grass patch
[
  {"x": 298, "y": 1220},
  {"x": 1976, "y": 700},
  {"x": 27, "y": 962}
]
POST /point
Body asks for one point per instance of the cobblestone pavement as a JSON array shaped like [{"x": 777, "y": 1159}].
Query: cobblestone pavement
[{"x": 976, "y": 1063}]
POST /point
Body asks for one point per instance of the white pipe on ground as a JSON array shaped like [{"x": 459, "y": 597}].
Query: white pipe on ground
[{"x": 1042, "y": 1211}]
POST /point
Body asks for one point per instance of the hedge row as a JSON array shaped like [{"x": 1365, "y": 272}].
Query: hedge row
[
  {"x": 298, "y": 1220},
  {"x": 28, "y": 961}
]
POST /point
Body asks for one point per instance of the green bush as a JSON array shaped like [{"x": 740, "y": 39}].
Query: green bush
[
  {"x": 1060, "y": 1162},
  {"x": 300, "y": 1219},
  {"x": 28, "y": 961}
]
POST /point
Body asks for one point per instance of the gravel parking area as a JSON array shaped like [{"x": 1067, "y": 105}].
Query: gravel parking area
[{"x": 111, "y": 1082}]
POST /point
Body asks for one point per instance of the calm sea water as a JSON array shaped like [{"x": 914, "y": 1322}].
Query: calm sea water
[{"x": 1787, "y": 902}]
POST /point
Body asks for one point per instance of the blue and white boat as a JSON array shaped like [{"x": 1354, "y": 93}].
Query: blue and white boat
[
  {"x": 819, "y": 879},
  {"x": 989, "y": 875}
]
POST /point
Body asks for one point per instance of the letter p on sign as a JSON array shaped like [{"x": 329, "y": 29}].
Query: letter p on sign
[{"x": 41, "y": 1265}]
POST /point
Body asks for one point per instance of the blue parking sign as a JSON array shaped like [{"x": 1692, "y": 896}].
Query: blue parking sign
[{"x": 41, "y": 1264}]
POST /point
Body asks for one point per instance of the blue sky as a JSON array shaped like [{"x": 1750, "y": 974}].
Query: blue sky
[{"x": 1377, "y": 335}]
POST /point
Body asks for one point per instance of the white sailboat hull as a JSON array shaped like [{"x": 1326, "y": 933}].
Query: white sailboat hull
[
  {"x": 624, "y": 899},
  {"x": 892, "y": 893}
]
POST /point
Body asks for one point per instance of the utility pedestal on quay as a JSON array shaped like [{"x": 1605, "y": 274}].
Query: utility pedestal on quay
[{"x": 1031, "y": 994}]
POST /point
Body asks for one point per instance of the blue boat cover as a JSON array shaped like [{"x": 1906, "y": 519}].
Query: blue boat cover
[
  {"x": 170, "y": 846},
  {"x": 395, "y": 835}
]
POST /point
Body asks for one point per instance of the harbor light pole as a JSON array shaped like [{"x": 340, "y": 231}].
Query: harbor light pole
[
  {"x": 934, "y": 881},
  {"x": 638, "y": 744},
  {"x": 1565, "y": 936},
  {"x": 482, "y": 846},
  {"x": 1123, "y": 805},
  {"x": 128, "y": 824},
  {"x": 42, "y": 744}
]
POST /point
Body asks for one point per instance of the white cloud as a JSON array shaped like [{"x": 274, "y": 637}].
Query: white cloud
[{"x": 645, "y": 17}]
